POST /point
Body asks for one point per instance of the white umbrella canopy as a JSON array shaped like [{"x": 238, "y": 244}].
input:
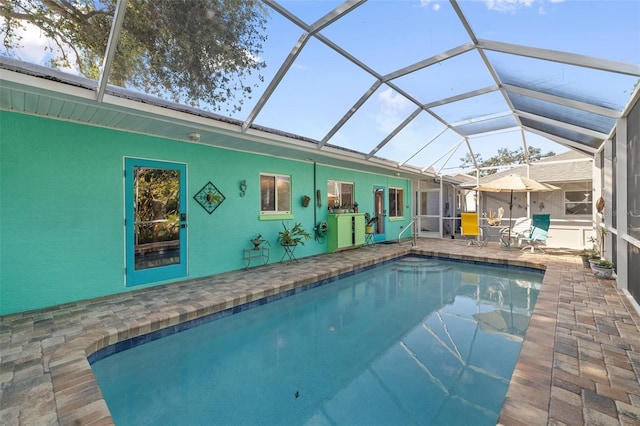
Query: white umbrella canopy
[{"x": 514, "y": 183}]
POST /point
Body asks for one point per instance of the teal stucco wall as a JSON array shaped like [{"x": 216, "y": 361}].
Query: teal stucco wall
[{"x": 62, "y": 207}]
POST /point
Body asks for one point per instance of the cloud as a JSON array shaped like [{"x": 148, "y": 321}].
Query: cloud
[
  {"x": 425, "y": 4},
  {"x": 392, "y": 110},
  {"x": 508, "y": 5},
  {"x": 511, "y": 6},
  {"x": 391, "y": 102},
  {"x": 37, "y": 49},
  {"x": 34, "y": 45}
]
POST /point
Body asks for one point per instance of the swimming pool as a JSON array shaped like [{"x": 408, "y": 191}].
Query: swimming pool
[{"x": 417, "y": 340}]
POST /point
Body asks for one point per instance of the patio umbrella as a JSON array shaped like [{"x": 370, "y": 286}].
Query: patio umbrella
[{"x": 514, "y": 183}]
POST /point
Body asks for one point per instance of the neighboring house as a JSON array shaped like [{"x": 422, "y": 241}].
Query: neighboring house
[{"x": 571, "y": 207}]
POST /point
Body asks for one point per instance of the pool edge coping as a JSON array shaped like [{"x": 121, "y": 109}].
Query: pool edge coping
[{"x": 77, "y": 393}]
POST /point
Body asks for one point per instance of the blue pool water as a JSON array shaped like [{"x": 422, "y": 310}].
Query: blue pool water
[{"x": 413, "y": 341}]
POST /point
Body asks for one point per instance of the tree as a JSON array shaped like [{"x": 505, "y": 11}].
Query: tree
[
  {"x": 192, "y": 51},
  {"x": 504, "y": 157}
]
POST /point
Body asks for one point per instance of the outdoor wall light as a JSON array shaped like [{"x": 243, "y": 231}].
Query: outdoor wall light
[
  {"x": 243, "y": 188},
  {"x": 194, "y": 137}
]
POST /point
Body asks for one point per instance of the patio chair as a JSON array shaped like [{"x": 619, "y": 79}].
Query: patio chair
[
  {"x": 538, "y": 234},
  {"x": 520, "y": 228},
  {"x": 469, "y": 228}
]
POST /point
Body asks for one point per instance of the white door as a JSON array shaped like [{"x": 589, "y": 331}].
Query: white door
[{"x": 428, "y": 203}]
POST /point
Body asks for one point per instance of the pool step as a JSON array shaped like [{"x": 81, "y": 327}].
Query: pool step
[{"x": 420, "y": 265}]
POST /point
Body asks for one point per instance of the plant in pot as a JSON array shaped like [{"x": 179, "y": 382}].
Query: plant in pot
[
  {"x": 598, "y": 241},
  {"x": 293, "y": 236},
  {"x": 602, "y": 269},
  {"x": 257, "y": 241},
  {"x": 589, "y": 254},
  {"x": 369, "y": 222}
]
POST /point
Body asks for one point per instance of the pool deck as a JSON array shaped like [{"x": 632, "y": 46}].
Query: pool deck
[{"x": 579, "y": 363}]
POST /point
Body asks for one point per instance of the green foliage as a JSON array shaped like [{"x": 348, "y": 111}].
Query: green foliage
[
  {"x": 590, "y": 253},
  {"x": 504, "y": 157},
  {"x": 257, "y": 241},
  {"x": 191, "y": 51},
  {"x": 605, "y": 264},
  {"x": 598, "y": 242},
  {"x": 294, "y": 236},
  {"x": 157, "y": 208}
]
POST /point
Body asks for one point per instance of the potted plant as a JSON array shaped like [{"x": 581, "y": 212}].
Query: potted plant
[
  {"x": 257, "y": 241},
  {"x": 602, "y": 269},
  {"x": 598, "y": 241},
  {"x": 588, "y": 255},
  {"x": 293, "y": 236}
]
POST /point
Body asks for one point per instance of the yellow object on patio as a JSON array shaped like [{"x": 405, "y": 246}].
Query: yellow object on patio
[{"x": 469, "y": 227}]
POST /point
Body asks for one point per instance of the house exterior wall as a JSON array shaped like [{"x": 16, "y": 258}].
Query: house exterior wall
[
  {"x": 566, "y": 231},
  {"x": 62, "y": 207}
]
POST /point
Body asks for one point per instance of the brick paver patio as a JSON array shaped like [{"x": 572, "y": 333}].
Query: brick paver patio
[{"x": 579, "y": 363}]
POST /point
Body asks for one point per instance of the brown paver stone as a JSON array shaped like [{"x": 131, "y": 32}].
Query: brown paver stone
[{"x": 579, "y": 361}]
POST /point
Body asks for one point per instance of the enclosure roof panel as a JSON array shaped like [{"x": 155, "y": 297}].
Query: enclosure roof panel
[{"x": 416, "y": 85}]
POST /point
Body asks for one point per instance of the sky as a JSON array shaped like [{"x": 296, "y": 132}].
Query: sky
[{"x": 387, "y": 35}]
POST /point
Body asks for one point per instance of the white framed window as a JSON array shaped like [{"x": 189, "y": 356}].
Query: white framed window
[
  {"x": 339, "y": 194},
  {"x": 578, "y": 203},
  {"x": 275, "y": 194},
  {"x": 396, "y": 202}
]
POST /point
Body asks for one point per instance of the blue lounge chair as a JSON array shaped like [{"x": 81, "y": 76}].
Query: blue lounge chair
[{"x": 538, "y": 234}]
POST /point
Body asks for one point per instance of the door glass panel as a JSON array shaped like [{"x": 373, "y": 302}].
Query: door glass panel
[
  {"x": 157, "y": 217},
  {"x": 379, "y": 210}
]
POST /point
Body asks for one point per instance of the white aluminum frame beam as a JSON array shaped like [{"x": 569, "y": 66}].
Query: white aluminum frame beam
[
  {"x": 490, "y": 68},
  {"x": 350, "y": 113},
  {"x": 562, "y": 141},
  {"x": 562, "y": 124},
  {"x": 570, "y": 103},
  {"x": 310, "y": 30},
  {"x": 423, "y": 147},
  {"x": 562, "y": 57},
  {"x": 395, "y": 131},
  {"x": 112, "y": 47}
]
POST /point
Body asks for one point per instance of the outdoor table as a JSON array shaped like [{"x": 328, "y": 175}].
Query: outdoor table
[{"x": 493, "y": 232}]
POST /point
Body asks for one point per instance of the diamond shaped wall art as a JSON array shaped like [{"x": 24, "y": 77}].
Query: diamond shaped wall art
[{"x": 209, "y": 197}]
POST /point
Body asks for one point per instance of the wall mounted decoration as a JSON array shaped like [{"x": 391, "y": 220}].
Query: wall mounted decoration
[
  {"x": 243, "y": 188},
  {"x": 305, "y": 200},
  {"x": 209, "y": 197}
]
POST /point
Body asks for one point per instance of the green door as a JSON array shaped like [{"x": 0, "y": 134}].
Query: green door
[{"x": 155, "y": 221}]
